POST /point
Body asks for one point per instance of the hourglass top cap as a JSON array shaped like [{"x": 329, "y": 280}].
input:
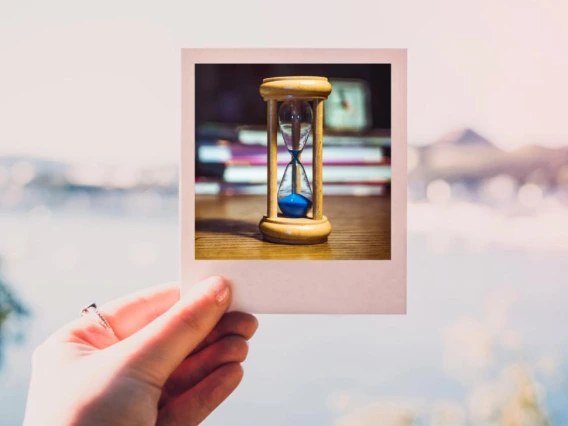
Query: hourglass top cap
[{"x": 296, "y": 87}]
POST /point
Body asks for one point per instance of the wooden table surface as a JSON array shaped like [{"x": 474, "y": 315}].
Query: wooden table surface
[{"x": 226, "y": 227}]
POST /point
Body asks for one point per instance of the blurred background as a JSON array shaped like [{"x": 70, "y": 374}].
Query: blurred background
[
  {"x": 89, "y": 140},
  {"x": 231, "y": 135}
]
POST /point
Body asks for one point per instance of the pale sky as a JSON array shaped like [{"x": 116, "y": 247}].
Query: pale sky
[{"x": 101, "y": 80}]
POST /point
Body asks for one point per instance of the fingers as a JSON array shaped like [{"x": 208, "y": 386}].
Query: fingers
[
  {"x": 155, "y": 351},
  {"x": 195, "y": 405},
  {"x": 232, "y": 323},
  {"x": 200, "y": 365},
  {"x": 131, "y": 313},
  {"x": 125, "y": 316}
]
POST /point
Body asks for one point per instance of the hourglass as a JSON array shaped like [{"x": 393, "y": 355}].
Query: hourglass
[
  {"x": 295, "y": 212},
  {"x": 294, "y": 192}
]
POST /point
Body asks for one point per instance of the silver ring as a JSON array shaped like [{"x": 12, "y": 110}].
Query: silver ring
[{"x": 93, "y": 308}]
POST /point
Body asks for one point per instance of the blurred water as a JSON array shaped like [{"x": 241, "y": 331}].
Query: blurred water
[{"x": 470, "y": 312}]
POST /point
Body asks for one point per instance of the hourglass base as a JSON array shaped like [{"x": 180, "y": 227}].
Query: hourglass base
[{"x": 286, "y": 230}]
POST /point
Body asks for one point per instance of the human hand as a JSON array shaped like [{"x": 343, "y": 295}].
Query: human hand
[{"x": 171, "y": 361}]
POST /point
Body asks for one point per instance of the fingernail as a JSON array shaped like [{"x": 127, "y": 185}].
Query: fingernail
[{"x": 222, "y": 291}]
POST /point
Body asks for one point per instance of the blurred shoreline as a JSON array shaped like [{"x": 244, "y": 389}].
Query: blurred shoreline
[{"x": 482, "y": 241}]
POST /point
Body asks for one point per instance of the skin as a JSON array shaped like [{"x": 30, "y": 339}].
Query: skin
[{"x": 171, "y": 361}]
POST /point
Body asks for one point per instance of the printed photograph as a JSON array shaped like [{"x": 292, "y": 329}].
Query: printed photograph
[{"x": 293, "y": 161}]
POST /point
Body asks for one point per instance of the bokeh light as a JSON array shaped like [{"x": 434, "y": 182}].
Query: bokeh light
[
  {"x": 530, "y": 195},
  {"x": 439, "y": 191},
  {"x": 22, "y": 173}
]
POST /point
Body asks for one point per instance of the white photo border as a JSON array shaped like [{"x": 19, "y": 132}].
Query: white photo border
[{"x": 325, "y": 286}]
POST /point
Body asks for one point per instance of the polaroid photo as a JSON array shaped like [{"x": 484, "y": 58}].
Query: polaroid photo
[{"x": 293, "y": 177}]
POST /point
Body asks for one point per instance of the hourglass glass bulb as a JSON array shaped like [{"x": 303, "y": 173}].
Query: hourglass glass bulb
[
  {"x": 294, "y": 193},
  {"x": 295, "y": 120}
]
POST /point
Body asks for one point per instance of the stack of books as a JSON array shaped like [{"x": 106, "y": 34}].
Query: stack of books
[{"x": 352, "y": 164}]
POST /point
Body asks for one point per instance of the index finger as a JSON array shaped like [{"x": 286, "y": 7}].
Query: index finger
[
  {"x": 126, "y": 315},
  {"x": 133, "y": 312},
  {"x": 157, "y": 349}
]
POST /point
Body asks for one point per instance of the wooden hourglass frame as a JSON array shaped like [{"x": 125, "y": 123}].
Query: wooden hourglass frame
[{"x": 314, "y": 227}]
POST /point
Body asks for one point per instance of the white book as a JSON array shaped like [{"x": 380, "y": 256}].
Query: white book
[
  {"x": 258, "y": 174},
  {"x": 223, "y": 154},
  {"x": 256, "y": 137},
  {"x": 211, "y": 188}
]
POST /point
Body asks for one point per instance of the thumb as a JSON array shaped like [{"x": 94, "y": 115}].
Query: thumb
[{"x": 157, "y": 349}]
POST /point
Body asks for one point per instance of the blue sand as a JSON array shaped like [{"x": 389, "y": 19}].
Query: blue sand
[{"x": 294, "y": 205}]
